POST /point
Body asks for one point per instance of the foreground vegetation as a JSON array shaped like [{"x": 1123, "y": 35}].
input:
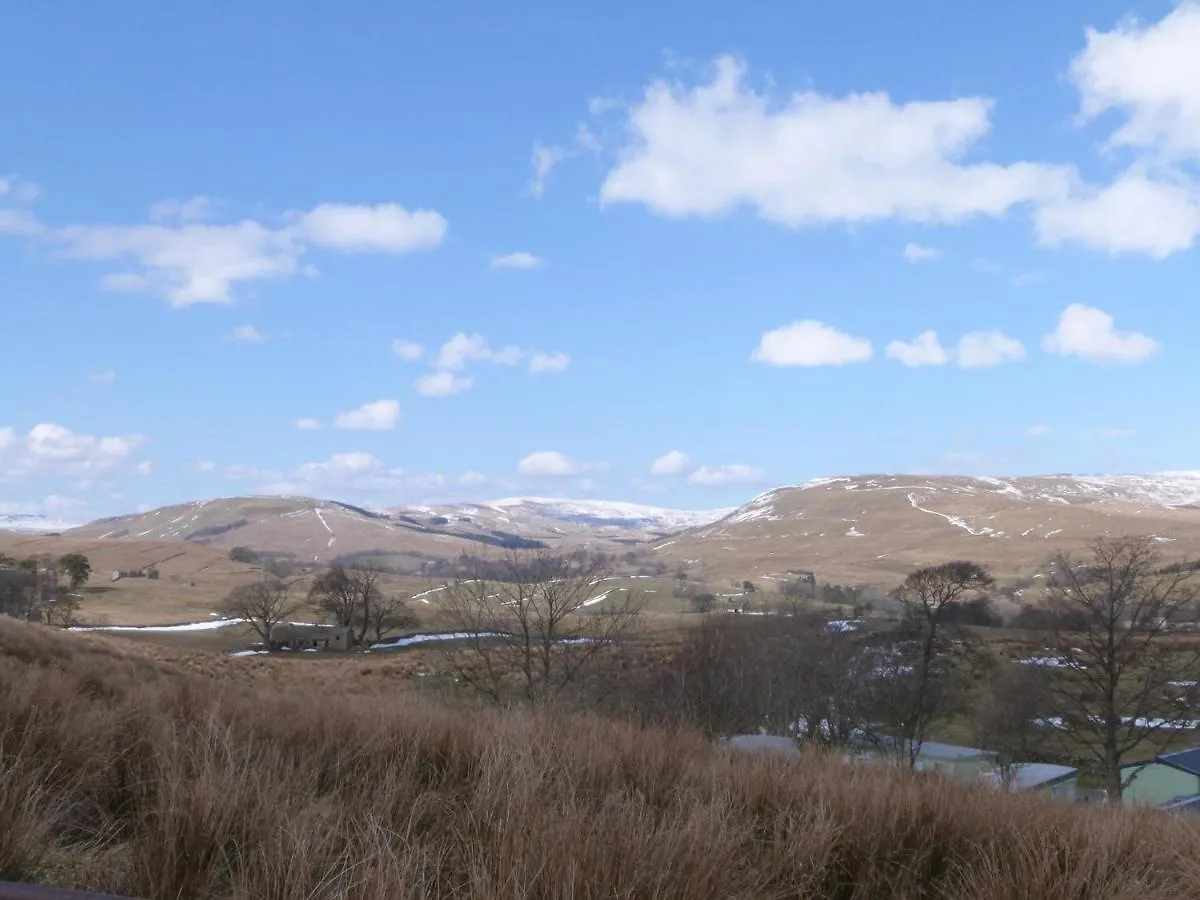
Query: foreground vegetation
[{"x": 139, "y": 778}]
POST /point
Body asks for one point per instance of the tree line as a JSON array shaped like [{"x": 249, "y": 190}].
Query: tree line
[
  {"x": 1105, "y": 684},
  {"x": 43, "y": 588},
  {"x": 353, "y": 598}
]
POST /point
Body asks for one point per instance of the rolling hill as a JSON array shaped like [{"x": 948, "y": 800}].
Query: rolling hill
[
  {"x": 320, "y": 531},
  {"x": 874, "y": 528},
  {"x": 868, "y": 529}
]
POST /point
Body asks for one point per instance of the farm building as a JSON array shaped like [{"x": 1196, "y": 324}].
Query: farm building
[{"x": 312, "y": 637}]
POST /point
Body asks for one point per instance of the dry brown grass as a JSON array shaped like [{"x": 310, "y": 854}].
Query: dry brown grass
[
  {"x": 125, "y": 773},
  {"x": 811, "y": 531},
  {"x": 193, "y": 579}
]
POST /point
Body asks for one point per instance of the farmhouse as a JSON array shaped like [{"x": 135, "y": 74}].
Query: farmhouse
[
  {"x": 1059, "y": 782},
  {"x": 312, "y": 637}
]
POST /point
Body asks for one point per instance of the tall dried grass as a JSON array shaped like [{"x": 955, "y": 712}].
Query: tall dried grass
[{"x": 126, "y": 776}]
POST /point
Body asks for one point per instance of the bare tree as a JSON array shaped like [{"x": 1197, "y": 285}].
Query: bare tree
[
  {"x": 717, "y": 679},
  {"x": 347, "y": 596},
  {"x": 923, "y": 684},
  {"x": 263, "y": 605},
  {"x": 1113, "y": 657},
  {"x": 532, "y": 631},
  {"x": 793, "y": 676},
  {"x": 388, "y": 612},
  {"x": 834, "y": 693},
  {"x": 1006, "y": 713}
]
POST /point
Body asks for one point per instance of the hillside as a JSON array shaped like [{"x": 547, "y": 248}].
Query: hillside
[
  {"x": 864, "y": 529},
  {"x": 192, "y": 577},
  {"x": 319, "y": 531},
  {"x": 874, "y": 528},
  {"x": 23, "y": 523},
  {"x": 189, "y": 782}
]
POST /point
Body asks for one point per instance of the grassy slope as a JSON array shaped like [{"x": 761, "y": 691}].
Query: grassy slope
[{"x": 127, "y": 773}]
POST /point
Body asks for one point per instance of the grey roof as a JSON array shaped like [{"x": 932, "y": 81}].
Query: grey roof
[
  {"x": 774, "y": 742},
  {"x": 1183, "y": 804},
  {"x": 1031, "y": 775},
  {"x": 951, "y": 751},
  {"x": 1187, "y": 760}
]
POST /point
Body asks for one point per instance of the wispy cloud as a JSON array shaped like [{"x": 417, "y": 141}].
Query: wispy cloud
[
  {"x": 380, "y": 415},
  {"x": 519, "y": 260}
]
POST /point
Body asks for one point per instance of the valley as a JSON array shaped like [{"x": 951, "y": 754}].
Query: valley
[{"x": 866, "y": 531}]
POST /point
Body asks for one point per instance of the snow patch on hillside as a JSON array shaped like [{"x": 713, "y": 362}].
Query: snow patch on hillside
[
  {"x": 602, "y": 513},
  {"x": 956, "y": 521},
  {"x": 33, "y": 524}
]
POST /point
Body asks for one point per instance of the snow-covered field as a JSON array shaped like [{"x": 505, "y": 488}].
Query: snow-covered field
[{"x": 31, "y": 524}]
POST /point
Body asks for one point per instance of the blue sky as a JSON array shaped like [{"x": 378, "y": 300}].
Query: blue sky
[{"x": 673, "y": 255}]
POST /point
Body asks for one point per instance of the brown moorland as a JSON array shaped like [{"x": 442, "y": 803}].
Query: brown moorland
[
  {"x": 130, "y": 774},
  {"x": 874, "y": 529}
]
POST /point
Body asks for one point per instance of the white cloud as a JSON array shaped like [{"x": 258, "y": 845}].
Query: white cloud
[
  {"x": 810, "y": 343},
  {"x": 16, "y": 189},
  {"x": 19, "y": 222},
  {"x": 1135, "y": 214},
  {"x": 206, "y": 465},
  {"x": 1151, "y": 74},
  {"x": 542, "y": 363},
  {"x": 442, "y": 384},
  {"x": 736, "y": 473},
  {"x": 545, "y": 161},
  {"x": 1038, "y": 430},
  {"x": 546, "y": 158},
  {"x": 471, "y": 477},
  {"x": 918, "y": 253},
  {"x": 247, "y": 334},
  {"x": 982, "y": 349},
  {"x": 461, "y": 349},
  {"x": 518, "y": 260},
  {"x": 548, "y": 462},
  {"x": 308, "y": 425},
  {"x": 1109, "y": 433},
  {"x": 194, "y": 209},
  {"x": 381, "y": 415},
  {"x": 355, "y": 471},
  {"x": 54, "y": 450},
  {"x": 187, "y": 261},
  {"x": 673, "y": 462},
  {"x": 340, "y": 464},
  {"x": 409, "y": 351},
  {"x": 105, "y": 378},
  {"x": 923, "y": 350},
  {"x": 190, "y": 264},
  {"x": 709, "y": 149},
  {"x": 464, "y": 348},
  {"x": 1087, "y": 332},
  {"x": 384, "y": 228},
  {"x": 59, "y": 503},
  {"x": 146, "y": 467},
  {"x": 978, "y": 349}
]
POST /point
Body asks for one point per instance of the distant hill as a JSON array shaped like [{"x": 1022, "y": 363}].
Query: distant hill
[
  {"x": 875, "y": 528},
  {"x": 33, "y": 524},
  {"x": 320, "y": 531},
  {"x": 856, "y": 529}
]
